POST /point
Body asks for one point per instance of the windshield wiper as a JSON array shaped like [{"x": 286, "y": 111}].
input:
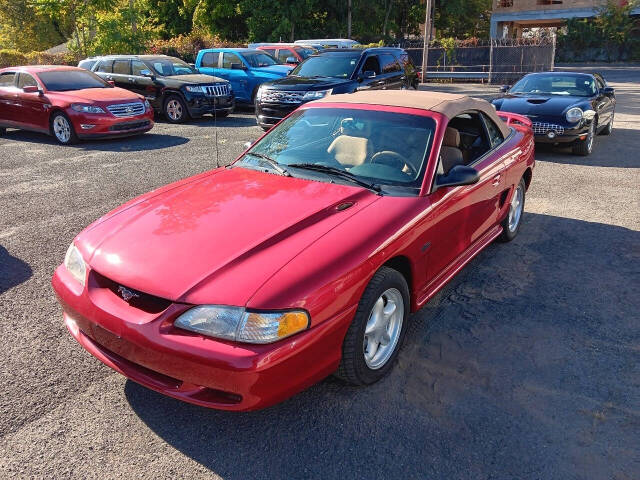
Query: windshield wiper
[
  {"x": 338, "y": 172},
  {"x": 275, "y": 165}
]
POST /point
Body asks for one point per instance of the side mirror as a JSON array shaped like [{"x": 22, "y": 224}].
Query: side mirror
[
  {"x": 247, "y": 145},
  {"x": 147, "y": 73},
  {"x": 458, "y": 175},
  {"x": 292, "y": 60},
  {"x": 31, "y": 89},
  {"x": 505, "y": 88},
  {"x": 368, "y": 74},
  {"x": 608, "y": 91},
  {"x": 237, "y": 66}
]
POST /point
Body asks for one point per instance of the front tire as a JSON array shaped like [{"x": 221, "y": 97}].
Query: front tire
[
  {"x": 2, "y": 131},
  {"x": 377, "y": 331},
  {"x": 609, "y": 128},
  {"x": 585, "y": 147},
  {"x": 62, "y": 129},
  {"x": 511, "y": 223},
  {"x": 175, "y": 110}
]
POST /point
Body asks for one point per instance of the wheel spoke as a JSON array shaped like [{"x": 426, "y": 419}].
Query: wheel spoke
[{"x": 383, "y": 328}]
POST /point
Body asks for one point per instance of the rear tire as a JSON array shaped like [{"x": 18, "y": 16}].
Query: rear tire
[
  {"x": 62, "y": 129},
  {"x": 175, "y": 110},
  {"x": 377, "y": 331},
  {"x": 609, "y": 128},
  {"x": 585, "y": 147},
  {"x": 511, "y": 223},
  {"x": 2, "y": 131}
]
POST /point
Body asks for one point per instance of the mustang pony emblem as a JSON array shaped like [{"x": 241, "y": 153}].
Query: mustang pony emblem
[{"x": 127, "y": 294}]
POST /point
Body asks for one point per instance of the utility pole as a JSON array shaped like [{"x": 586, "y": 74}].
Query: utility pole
[
  {"x": 348, "y": 18},
  {"x": 427, "y": 37}
]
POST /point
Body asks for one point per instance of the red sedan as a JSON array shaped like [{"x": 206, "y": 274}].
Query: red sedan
[
  {"x": 241, "y": 286},
  {"x": 69, "y": 103}
]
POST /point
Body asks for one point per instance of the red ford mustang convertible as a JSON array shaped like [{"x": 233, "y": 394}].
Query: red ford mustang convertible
[
  {"x": 69, "y": 103},
  {"x": 239, "y": 287}
]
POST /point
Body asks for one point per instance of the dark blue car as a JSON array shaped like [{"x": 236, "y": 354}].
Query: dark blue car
[{"x": 565, "y": 107}]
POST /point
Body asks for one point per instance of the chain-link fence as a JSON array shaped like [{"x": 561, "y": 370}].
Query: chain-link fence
[{"x": 498, "y": 61}]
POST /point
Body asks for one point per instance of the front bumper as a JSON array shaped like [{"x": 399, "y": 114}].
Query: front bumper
[
  {"x": 268, "y": 114},
  {"x": 147, "y": 348},
  {"x": 201, "y": 104},
  {"x": 560, "y": 133},
  {"x": 107, "y": 126}
]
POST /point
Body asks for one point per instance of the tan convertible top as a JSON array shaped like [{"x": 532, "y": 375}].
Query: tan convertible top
[{"x": 448, "y": 104}]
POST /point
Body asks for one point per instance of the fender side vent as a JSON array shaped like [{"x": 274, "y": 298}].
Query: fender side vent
[{"x": 344, "y": 206}]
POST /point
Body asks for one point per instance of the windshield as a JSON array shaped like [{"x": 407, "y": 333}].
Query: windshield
[
  {"x": 170, "y": 67},
  {"x": 305, "y": 52},
  {"x": 575, "y": 85},
  {"x": 259, "y": 59},
  {"x": 363, "y": 143},
  {"x": 339, "y": 66},
  {"x": 66, "y": 80}
]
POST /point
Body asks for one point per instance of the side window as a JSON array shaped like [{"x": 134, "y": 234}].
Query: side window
[
  {"x": 137, "y": 67},
  {"x": 228, "y": 58},
  {"x": 26, "y": 80},
  {"x": 210, "y": 59},
  {"x": 284, "y": 53},
  {"x": 121, "y": 67},
  {"x": 389, "y": 63},
  {"x": 495, "y": 135},
  {"x": 270, "y": 51},
  {"x": 372, "y": 64},
  {"x": 105, "y": 66},
  {"x": 406, "y": 63},
  {"x": 473, "y": 137},
  {"x": 7, "y": 79}
]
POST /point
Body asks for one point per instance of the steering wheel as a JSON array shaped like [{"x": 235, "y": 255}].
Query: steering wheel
[{"x": 395, "y": 160}]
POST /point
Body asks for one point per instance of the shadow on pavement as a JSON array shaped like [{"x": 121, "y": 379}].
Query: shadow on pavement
[
  {"x": 523, "y": 365},
  {"x": 137, "y": 143},
  {"x": 13, "y": 271},
  {"x": 608, "y": 151}
]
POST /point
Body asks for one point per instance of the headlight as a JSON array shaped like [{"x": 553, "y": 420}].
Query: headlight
[
  {"x": 80, "y": 107},
  {"x": 316, "y": 94},
  {"x": 147, "y": 105},
  {"x": 194, "y": 89},
  {"x": 574, "y": 115},
  {"x": 74, "y": 263},
  {"x": 235, "y": 323}
]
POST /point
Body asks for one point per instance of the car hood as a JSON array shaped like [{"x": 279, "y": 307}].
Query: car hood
[
  {"x": 538, "y": 105},
  {"x": 276, "y": 70},
  {"x": 215, "y": 238},
  {"x": 106, "y": 95},
  {"x": 307, "y": 83},
  {"x": 191, "y": 79}
]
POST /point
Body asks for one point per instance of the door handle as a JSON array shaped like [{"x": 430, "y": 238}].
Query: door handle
[
  {"x": 496, "y": 180},
  {"x": 132, "y": 79},
  {"x": 109, "y": 77}
]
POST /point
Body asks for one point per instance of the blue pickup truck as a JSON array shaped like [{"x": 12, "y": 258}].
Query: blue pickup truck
[{"x": 245, "y": 68}]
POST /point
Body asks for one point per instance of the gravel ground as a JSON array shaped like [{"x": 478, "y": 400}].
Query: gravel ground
[{"x": 526, "y": 366}]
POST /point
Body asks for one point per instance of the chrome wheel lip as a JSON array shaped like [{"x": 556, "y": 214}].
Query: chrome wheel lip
[
  {"x": 590, "y": 136},
  {"x": 174, "y": 110},
  {"x": 515, "y": 209},
  {"x": 383, "y": 328},
  {"x": 61, "y": 129}
]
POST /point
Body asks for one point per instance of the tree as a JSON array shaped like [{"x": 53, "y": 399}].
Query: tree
[
  {"x": 23, "y": 28},
  {"x": 462, "y": 18}
]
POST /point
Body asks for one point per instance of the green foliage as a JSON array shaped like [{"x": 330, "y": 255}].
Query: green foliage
[
  {"x": 10, "y": 58},
  {"x": 187, "y": 46},
  {"x": 462, "y": 18},
  {"x": 220, "y": 17},
  {"x": 23, "y": 28}
]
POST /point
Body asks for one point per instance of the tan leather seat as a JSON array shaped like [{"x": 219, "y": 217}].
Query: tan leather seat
[
  {"x": 349, "y": 151},
  {"x": 450, "y": 153}
]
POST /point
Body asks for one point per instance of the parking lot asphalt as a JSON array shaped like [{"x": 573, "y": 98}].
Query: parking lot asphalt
[{"x": 527, "y": 365}]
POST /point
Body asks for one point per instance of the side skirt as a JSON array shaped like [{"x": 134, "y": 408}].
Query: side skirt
[{"x": 441, "y": 280}]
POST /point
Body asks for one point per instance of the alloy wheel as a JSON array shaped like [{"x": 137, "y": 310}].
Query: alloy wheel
[
  {"x": 515, "y": 209},
  {"x": 174, "y": 110},
  {"x": 383, "y": 328},
  {"x": 62, "y": 129},
  {"x": 592, "y": 130}
]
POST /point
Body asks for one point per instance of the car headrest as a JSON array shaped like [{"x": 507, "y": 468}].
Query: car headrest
[{"x": 451, "y": 138}]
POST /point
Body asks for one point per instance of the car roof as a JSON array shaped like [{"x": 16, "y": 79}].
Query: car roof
[
  {"x": 561, "y": 74},
  {"x": 362, "y": 50},
  {"x": 228, "y": 49},
  {"x": 124, "y": 57},
  {"x": 447, "y": 104}
]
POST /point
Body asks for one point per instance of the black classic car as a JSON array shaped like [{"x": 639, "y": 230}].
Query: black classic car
[
  {"x": 566, "y": 108},
  {"x": 171, "y": 86},
  {"x": 330, "y": 72}
]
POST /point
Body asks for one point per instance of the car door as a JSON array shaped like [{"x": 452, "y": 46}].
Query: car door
[
  {"x": 104, "y": 69},
  {"x": 32, "y": 106},
  {"x": 370, "y": 75},
  {"x": 8, "y": 91},
  {"x": 209, "y": 63},
  {"x": 143, "y": 84},
  {"x": 284, "y": 53},
  {"x": 232, "y": 68},
  {"x": 462, "y": 215},
  {"x": 391, "y": 71},
  {"x": 121, "y": 75},
  {"x": 604, "y": 103}
]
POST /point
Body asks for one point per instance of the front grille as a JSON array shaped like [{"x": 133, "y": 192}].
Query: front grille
[
  {"x": 118, "y": 127},
  {"x": 126, "y": 109},
  {"x": 142, "y": 301},
  {"x": 219, "y": 90},
  {"x": 281, "y": 96},
  {"x": 540, "y": 128}
]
